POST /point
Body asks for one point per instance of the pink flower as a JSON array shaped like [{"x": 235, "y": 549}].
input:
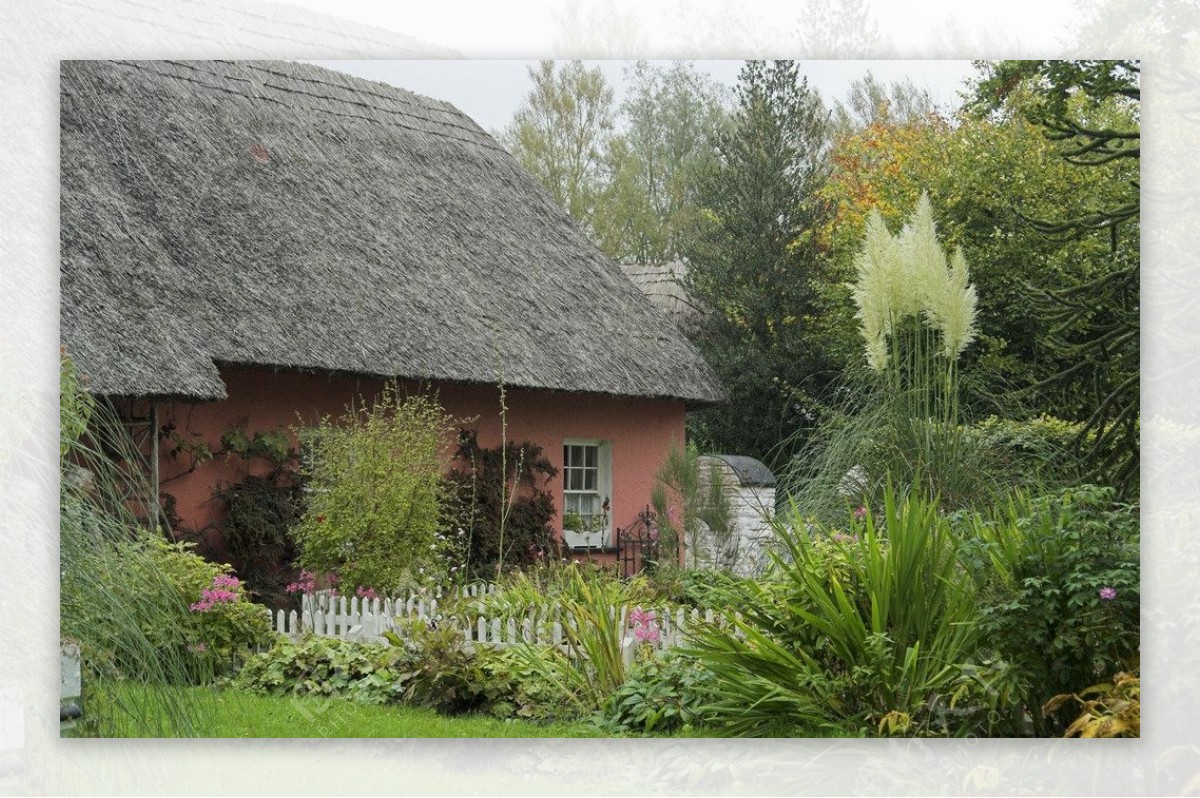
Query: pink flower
[
  {"x": 647, "y": 634},
  {"x": 307, "y": 583},
  {"x": 199, "y": 648},
  {"x": 1107, "y": 593},
  {"x": 860, "y": 513},
  {"x": 367, "y": 593},
  {"x": 645, "y": 625},
  {"x": 226, "y": 580},
  {"x": 219, "y": 593}
]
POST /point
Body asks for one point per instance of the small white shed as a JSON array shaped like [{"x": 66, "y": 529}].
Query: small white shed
[{"x": 750, "y": 488}]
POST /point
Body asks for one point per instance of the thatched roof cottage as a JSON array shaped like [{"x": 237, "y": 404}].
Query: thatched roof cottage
[{"x": 257, "y": 240}]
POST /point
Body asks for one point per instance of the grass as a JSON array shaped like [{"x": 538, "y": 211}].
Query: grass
[{"x": 235, "y": 713}]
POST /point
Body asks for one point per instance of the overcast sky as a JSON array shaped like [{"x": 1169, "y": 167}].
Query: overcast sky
[{"x": 490, "y": 91}]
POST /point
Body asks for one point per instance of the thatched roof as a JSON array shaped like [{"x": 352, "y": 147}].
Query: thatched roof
[
  {"x": 664, "y": 285},
  {"x": 279, "y": 214}
]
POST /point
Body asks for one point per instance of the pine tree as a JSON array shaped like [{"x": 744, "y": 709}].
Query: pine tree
[{"x": 754, "y": 262}]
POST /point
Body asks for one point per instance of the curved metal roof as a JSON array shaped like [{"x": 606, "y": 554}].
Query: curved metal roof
[{"x": 750, "y": 472}]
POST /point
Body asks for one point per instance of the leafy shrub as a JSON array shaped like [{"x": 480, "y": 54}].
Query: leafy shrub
[
  {"x": 222, "y": 626},
  {"x": 659, "y": 694},
  {"x": 696, "y": 587},
  {"x": 515, "y": 689},
  {"x": 260, "y": 510},
  {"x": 370, "y": 673},
  {"x": 443, "y": 674},
  {"x": 498, "y": 501},
  {"x": 377, "y": 494},
  {"x": 1034, "y": 452},
  {"x": 851, "y": 629},
  {"x": 1060, "y": 590}
]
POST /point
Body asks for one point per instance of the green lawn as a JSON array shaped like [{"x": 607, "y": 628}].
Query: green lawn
[{"x": 234, "y": 713}]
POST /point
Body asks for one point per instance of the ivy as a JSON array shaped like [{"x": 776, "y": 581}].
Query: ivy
[{"x": 501, "y": 482}]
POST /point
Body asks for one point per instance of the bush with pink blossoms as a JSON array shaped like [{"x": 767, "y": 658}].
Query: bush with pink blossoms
[{"x": 220, "y": 626}]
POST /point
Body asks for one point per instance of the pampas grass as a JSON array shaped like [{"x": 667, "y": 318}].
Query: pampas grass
[{"x": 115, "y": 603}]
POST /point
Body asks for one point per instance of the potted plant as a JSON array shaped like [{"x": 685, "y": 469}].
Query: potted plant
[{"x": 587, "y": 532}]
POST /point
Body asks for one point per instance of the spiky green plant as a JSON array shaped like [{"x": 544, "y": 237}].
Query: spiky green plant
[
  {"x": 593, "y": 607},
  {"x": 679, "y": 486},
  {"x": 851, "y": 629}
]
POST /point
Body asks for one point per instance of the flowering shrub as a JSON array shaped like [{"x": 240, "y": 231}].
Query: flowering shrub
[
  {"x": 221, "y": 625},
  {"x": 1060, "y": 582},
  {"x": 225, "y": 588}
]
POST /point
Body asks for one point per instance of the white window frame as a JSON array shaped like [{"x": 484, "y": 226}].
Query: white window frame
[{"x": 603, "y": 492}]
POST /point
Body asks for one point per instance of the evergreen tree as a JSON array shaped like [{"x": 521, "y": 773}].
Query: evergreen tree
[{"x": 755, "y": 262}]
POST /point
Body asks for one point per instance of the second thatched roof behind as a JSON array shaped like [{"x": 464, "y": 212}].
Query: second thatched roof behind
[{"x": 279, "y": 214}]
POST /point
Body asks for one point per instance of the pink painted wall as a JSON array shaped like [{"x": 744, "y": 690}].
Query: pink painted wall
[{"x": 640, "y": 431}]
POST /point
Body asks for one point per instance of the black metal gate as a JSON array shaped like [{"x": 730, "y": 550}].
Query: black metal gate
[{"x": 638, "y": 546}]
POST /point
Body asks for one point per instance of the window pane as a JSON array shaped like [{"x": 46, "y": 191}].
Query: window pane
[
  {"x": 571, "y": 503},
  {"x": 591, "y": 456},
  {"x": 589, "y": 479},
  {"x": 566, "y": 456}
]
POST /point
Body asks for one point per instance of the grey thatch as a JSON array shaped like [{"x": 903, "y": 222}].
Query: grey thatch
[
  {"x": 664, "y": 284},
  {"x": 279, "y": 214}
]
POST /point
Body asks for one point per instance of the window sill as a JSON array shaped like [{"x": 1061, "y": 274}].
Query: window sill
[{"x": 605, "y": 549}]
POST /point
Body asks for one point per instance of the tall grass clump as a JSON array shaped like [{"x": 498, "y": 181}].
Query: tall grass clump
[
  {"x": 876, "y": 630},
  {"x": 916, "y": 310},
  {"x": 693, "y": 510},
  {"x": 128, "y": 617}
]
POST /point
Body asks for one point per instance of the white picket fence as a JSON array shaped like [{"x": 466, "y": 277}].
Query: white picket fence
[{"x": 352, "y": 618}]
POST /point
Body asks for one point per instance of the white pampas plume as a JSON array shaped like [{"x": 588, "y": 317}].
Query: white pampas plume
[
  {"x": 952, "y": 311},
  {"x": 876, "y": 265},
  {"x": 925, "y": 271},
  {"x": 908, "y": 275}
]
